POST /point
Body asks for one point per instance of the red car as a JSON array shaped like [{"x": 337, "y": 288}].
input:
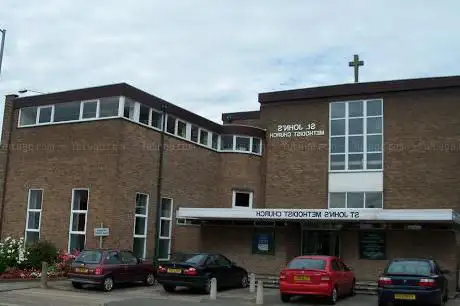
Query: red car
[
  {"x": 323, "y": 276},
  {"x": 107, "y": 267}
]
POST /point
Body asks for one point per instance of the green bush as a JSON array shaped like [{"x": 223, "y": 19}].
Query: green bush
[{"x": 42, "y": 251}]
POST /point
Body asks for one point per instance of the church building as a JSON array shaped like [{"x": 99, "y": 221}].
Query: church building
[{"x": 364, "y": 171}]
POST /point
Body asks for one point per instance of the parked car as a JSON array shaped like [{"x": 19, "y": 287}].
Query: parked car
[
  {"x": 107, "y": 267},
  {"x": 195, "y": 271},
  {"x": 413, "y": 279},
  {"x": 322, "y": 276}
]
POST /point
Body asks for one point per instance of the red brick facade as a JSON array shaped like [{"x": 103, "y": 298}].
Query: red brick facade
[{"x": 116, "y": 158}]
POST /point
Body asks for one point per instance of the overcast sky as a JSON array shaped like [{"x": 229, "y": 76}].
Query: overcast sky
[{"x": 215, "y": 56}]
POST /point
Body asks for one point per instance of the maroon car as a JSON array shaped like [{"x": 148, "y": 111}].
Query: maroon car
[{"x": 107, "y": 267}]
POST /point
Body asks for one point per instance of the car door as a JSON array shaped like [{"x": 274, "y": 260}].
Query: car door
[
  {"x": 214, "y": 267},
  {"x": 337, "y": 276},
  {"x": 347, "y": 275},
  {"x": 130, "y": 266},
  {"x": 113, "y": 264},
  {"x": 227, "y": 271}
]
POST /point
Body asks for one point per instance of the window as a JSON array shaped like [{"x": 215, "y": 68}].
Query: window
[
  {"x": 165, "y": 228},
  {"x": 204, "y": 135},
  {"x": 67, "y": 111},
  {"x": 194, "y": 133},
  {"x": 170, "y": 124},
  {"x": 128, "y": 257},
  {"x": 256, "y": 145},
  {"x": 226, "y": 142},
  {"x": 140, "y": 225},
  {"x": 243, "y": 143},
  {"x": 45, "y": 114},
  {"x": 156, "y": 119},
  {"x": 181, "y": 129},
  {"x": 89, "y": 109},
  {"x": 356, "y": 135},
  {"x": 28, "y": 116},
  {"x": 356, "y": 200},
  {"x": 129, "y": 109},
  {"x": 108, "y": 107},
  {"x": 307, "y": 263},
  {"x": 413, "y": 267},
  {"x": 34, "y": 214},
  {"x": 90, "y": 257},
  {"x": 113, "y": 258},
  {"x": 215, "y": 141},
  {"x": 144, "y": 114},
  {"x": 78, "y": 219},
  {"x": 242, "y": 199}
]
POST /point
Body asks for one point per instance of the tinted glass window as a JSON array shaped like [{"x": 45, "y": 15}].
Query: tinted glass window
[
  {"x": 67, "y": 111},
  {"x": 112, "y": 258},
  {"x": 127, "y": 257},
  {"x": 89, "y": 257},
  {"x": 307, "y": 263},
  {"x": 416, "y": 267},
  {"x": 196, "y": 259}
]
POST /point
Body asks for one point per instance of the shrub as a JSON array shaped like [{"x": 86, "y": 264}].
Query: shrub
[
  {"x": 42, "y": 251},
  {"x": 12, "y": 253},
  {"x": 65, "y": 260}
]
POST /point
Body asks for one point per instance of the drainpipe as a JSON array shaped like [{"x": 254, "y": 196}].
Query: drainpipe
[{"x": 159, "y": 185}]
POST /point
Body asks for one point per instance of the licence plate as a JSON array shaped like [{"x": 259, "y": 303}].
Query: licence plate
[
  {"x": 405, "y": 297},
  {"x": 302, "y": 278},
  {"x": 82, "y": 270},
  {"x": 176, "y": 271}
]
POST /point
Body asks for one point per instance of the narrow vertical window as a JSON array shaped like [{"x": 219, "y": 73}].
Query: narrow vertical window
[
  {"x": 34, "y": 215},
  {"x": 165, "y": 228},
  {"x": 78, "y": 219},
  {"x": 140, "y": 225}
]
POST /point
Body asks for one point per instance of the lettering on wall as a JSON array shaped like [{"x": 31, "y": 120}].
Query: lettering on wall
[
  {"x": 297, "y": 130},
  {"x": 310, "y": 214}
]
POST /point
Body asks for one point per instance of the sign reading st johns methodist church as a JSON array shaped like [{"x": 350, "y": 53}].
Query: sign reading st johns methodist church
[{"x": 297, "y": 130}]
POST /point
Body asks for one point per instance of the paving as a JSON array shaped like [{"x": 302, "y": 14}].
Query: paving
[{"x": 62, "y": 293}]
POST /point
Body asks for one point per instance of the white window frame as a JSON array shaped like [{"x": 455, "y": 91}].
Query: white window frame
[
  {"x": 72, "y": 212},
  {"x": 187, "y": 129},
  {"x": 33, "y": 230},
  {"x": 346, "y": 200},
  {"x": 170, "y": 219},
  {"x": 364, "y": 135},
  {"x": 152, "y": 110},
  {"x": 260, "y": 146},
  {"x": 98, "y": 109},
  {"x": 209, "y": 137},
  {"x": 146, "y": 217},
  {"x": 233, "y": 143},
  {"x": 242, "y": 136},
  {"x": 251, "y": 198},
  {"x": 38, "y": 114}
]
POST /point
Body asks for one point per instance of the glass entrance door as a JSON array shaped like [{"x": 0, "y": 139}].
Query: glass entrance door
[{"x": 320, "y": 242}]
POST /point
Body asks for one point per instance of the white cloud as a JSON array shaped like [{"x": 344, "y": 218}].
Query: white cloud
[{"x": 216, "y": 56}]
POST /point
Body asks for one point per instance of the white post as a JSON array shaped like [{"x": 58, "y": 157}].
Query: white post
[
  {"x": 213, "y": 291},
  {"x": 100, "y": 238},
  {"x": 260, "y": 293},
  {"x": 252, "y": 283}
]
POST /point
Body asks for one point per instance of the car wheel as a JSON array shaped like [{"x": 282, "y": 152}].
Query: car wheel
[
  {"x": 77, "y": 285},
  {"x": 352, "y": 291},
  {"x": 333, "y": 297},
  {"x": 285, "y": 298},
  {"x": 149, "y": 279},
  {"x": 169, "y": 288},
  {"x": 207, "y": 286},
  {"x": 244, "y": 281},
  {"x": 108, "y": 284}
]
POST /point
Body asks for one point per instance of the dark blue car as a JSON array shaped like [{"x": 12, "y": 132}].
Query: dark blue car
[{"x": 406, "y": 280}]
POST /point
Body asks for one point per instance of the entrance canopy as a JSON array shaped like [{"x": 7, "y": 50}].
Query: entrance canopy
[{"x": 372, "y": 214}]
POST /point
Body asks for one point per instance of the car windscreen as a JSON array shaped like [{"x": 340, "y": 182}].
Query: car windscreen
[
  {"x": 89, "y": 257},
  {"x": 307, "y": 263},
  {"x": 414, "y": 267},
  {"x": 191, "y": 258}
]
